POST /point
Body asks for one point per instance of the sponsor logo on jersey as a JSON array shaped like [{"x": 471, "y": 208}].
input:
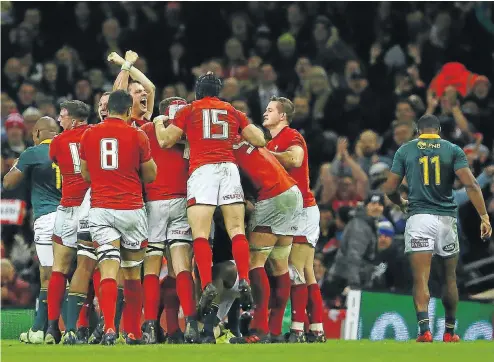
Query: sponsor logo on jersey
[
  {"x": 419, "y": 243},
  {"x": 422, "y": 145},
  {"x": 449, "y": 248}
]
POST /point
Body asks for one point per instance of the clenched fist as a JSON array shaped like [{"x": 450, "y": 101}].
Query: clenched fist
[
  {"x": 114, "y": 58},
  {"x": 131, "y": 56}
]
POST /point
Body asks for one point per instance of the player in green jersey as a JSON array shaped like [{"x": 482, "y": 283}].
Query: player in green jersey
[
  {"x": 430, "y": 165},
  {"x": 45, "y": 184}
]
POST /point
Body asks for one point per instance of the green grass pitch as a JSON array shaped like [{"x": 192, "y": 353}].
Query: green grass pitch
[{"x": 338, "y": 351}]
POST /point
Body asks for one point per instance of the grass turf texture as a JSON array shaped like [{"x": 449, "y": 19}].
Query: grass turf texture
[{"x": 365, "y": 351}]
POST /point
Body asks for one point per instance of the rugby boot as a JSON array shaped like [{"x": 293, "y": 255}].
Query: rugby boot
[
  {"x": 191, "y": 334},
  {"x": 254, "y": 337},
  {"x": 109, "y": 338},
  {"x": 451, "y": 338},
  {"x": 31, "y": 337},
  {"x": 53, "y": 334},
  {"x": 176, "y": 337},
  {"x": 207, "y": 338},
  {"x": 208, "y": 295},
  {"x": 245, "y": 319},
  {"x": 296, "y": 336},
  {"x": 245, "y": 299},
  {"x": 131, "y": 339},
  {"x": 149, "y": 332},
  {"x": 277, "y": 339},
  {"x": 98, "y": 332},
  {"x": 225, "y": 337},
  {"x": 425, "y": 337},
  {"x": 69, "y": 338},
  {"x": 316, "y": 337},
  {"x": 82, "y": 335},
  {"x": 160, "y": 335}
]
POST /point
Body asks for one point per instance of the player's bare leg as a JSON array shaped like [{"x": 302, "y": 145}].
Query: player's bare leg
[
  {"x": 234, "y": 217},
  {"x": 200, "y": 218},
  {"x": 151, "y": 286},
  {"x": 299, "y": 293},
  {"x": 131, "y": 266},
  {"x": 62, "y": 260},
  {"x": 421, "y": 267},
  {"x": 109, "y": 265},
  {"x": 314, "y": 304},
  {"x": 450, "y": 297},
  {"x": 280, "y": 285},
  {"x": 79, "y": 285}
]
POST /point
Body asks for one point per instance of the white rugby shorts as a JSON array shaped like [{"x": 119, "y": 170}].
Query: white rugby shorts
[
  {"x": 308, "y": 229},
  {"x": 432, "y": 233},
  {"x": 215, "y": 184},
  {"x": 43, "y": 238},
  {"x": 167, "y": 220}
]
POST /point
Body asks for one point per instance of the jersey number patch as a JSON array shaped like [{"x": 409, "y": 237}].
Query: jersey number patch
[
  {"x": 109, "y": 153},
  {"x": 58, "y": 176},
  {"x": 74, "y": 152},
  {"x": 424, "y": 161},
  {"x": 210, "y": 117}
]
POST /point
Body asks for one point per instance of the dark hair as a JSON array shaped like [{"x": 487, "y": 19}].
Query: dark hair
[
  {"x": 166, "y": 102},
  {"x": 77, "y": 109},
  {"x": 428, "y": 121},
  {"x": 119, "y": 102}
]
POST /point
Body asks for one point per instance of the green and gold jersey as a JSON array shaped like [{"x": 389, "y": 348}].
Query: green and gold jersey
[
  {"x": 44, "y": 178},
  {"x": 429, "y": 164}
]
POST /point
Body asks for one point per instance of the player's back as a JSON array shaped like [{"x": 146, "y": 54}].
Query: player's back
[
  {"x": 281, "y": 142},
  {"x": 64, "y": 151},
  {"x": 211, "y": 126},
  {"x": 172, "y": 164},
  {"x": 429, "y": 164},
  {"x": 263, "y": 169},
  {"x": 112, "y": 150}
]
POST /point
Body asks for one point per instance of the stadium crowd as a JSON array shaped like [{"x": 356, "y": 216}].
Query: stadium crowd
[{"x": 359, "y": 75}]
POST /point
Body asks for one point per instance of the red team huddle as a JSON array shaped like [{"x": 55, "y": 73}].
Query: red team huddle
[{"x": 153, "y": 192}]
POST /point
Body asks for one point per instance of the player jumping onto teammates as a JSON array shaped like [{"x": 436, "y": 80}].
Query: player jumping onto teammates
[
  {"x": 272, "y": 226},
  {"x": 115, "y": 157},
  {"x": 64, "y": 151},
  {"x": 166, "y": 206},
  {"x": 430, "y": 164},
  {"x": 211, "y": 127},
  {"x": 45, "y": 185},
  {"x": 290, "y": 149},
  {"x": 139, "y": 87}
]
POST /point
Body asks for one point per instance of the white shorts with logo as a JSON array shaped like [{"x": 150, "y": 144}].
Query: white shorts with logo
[
  {"x": 83, "y": 227},
  {"x": 432, "y": 233},
  {"x": 215, "y": 184},
  {"x": 278, "y": 215},
  {"x": 43, "y": 238},
  {"x": 308, "y": 226},
  {"x": 167, "y": 220},
  {"x": 108, "y": 225}
]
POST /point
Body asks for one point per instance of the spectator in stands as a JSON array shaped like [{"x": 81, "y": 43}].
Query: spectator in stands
[
  {"x": 320, "y": 92},
  {"x": 70, "y": 65},
  {"x": 402, "y": 132},
  {"x": 231, "y": 89},
  {"x": 259, "y": 98},
  {"x": 83, "y": 91},
  {"x": 176, "y": 67},
  {"x": 26, "y": 96},
  {"x": 14, "y": 145},
  {"x": 15, "y": 291},
  {"x": 8, "y": 106},
  {"x": 242, "y": 106},
  {"x": 235, "y": 63},
  {"x": 298, "y": 27},
  {"x": 52, "y": 84},
  {"x": 366, "y": 150},
  {"x": 286, "y": 60},
  {"x": 253, "y": 74},
  {"x": 12, "y": 77},
  {"x": 240, "y": 29},
  {"x": 83, "y": 32},
  {"x": 303, "y": 69},
  {"x": 31, "y": 116},
  {"x": 263, "y": 45}
]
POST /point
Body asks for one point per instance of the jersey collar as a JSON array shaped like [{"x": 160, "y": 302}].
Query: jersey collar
[
  {"x": 45, "y": 142},
  {"x": 429, "y": 136}
]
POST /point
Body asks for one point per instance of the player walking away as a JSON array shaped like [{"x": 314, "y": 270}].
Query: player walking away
[
  {"x": 45, "y": 185},
  {"x": 430, "y": 164},
  {"x": 139, "y": 87},
  {"x": 211, "y": 126},
  {"x": 115, "y": 157},
  {"x": 64, "y": 152},
  {"x": 272, "y": 226},
  {"x": 290, "y": 149},
  {"x": 166, "y": 207}
]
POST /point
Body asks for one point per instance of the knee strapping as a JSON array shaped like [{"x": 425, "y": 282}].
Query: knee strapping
[
  {"x": 264, "y": 250},
  {"x": 107, "y": 252},
  {"x": 280, "y": 252},
  {"x": 296, "y": 277},
  {"x": 155, "y": 249},
  {"x": 87, "y": 251},
  {"x": 130, "y": 263}
]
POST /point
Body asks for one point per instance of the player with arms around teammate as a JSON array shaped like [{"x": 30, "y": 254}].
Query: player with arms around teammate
[
  {"x": 211, "y": 127},
  {"x": 166, "y": 205},
  {"x": 115, "y": 157},
  {"x": 430, "y": 164},
  {"x": 45, "y": 184},
  {"x": 139, "y": 87},
  {"x": 64, "y": 151},
  {"x": 272, "y": 226},
  {"x": 290, "y": 149}
]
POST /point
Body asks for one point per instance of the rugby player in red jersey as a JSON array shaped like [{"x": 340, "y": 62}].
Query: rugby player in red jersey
[
  {"x": 115, "y": 158},
  {"x": 64, "y": 152},
  {"x": 288, "y": 146},
  {"x": 211, "y": 127},
  {"x": 139, "y": 87},
  {"x": 166, "y": 205},
  {"x": 272, "y": 226}
]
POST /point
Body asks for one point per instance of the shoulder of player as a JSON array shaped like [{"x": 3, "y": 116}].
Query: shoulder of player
[
  {"x": 293, "y": 135},
  {"x": 147, "y": 127}
]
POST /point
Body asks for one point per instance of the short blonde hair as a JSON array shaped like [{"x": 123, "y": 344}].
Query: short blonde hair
[{"x": 285, "y": 106}]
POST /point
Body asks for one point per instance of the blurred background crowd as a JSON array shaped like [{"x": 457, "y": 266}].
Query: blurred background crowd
[{"x": 359, "y": 74}]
